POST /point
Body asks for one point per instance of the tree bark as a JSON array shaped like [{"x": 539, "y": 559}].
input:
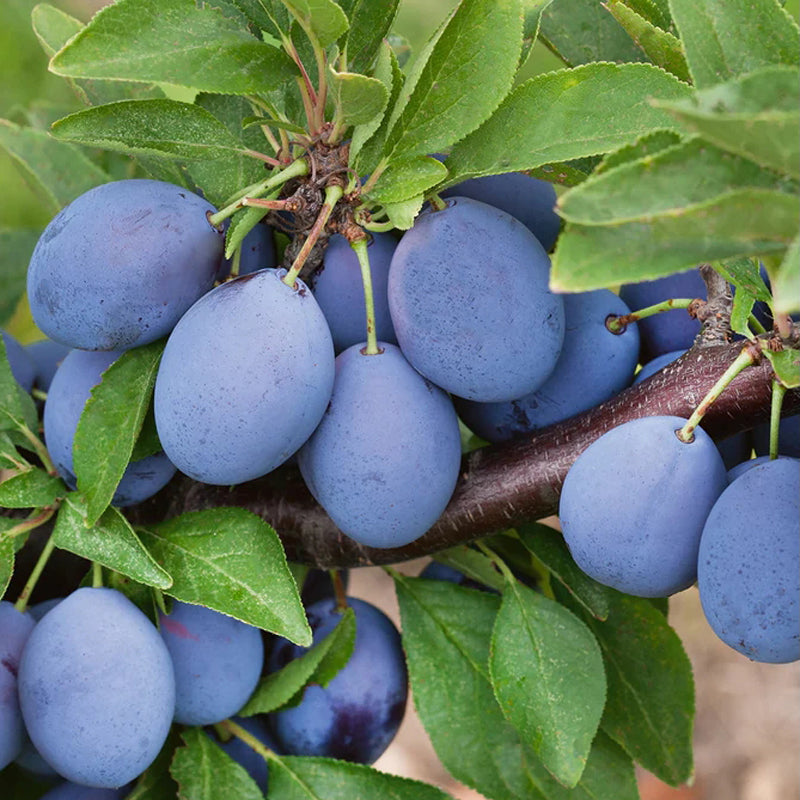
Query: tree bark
[{"x": 500, "y": 486}]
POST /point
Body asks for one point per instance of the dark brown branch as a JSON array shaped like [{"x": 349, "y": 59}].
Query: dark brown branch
[{"x": 501, "y": 485}]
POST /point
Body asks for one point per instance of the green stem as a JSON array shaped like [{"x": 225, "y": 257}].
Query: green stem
[
  {"x": 617, "y": 324},
  {"x": 31, "y": 523},
  {"x": 240, "y": 733},
  {"x": 778, "y": 392},
  {"x": 437, "y": 204},
  {"x": 373, "y": 178},
  {"x": 332, "y": 196},
  {"x": 38, "y": 567},
  {"x": 378, "y": 227},
  {"x": 749, "y": 356},
  {"x": 755, "y": 325},
  {"x": 97, "y": 575},
  {"x": 295, "y": 170},
  {"x": 237, "y": 260},
  {"x": 360, "y": 248}
]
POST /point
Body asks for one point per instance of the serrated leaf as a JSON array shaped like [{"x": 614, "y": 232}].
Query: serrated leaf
[
  {"x": 786, "y": 365},
  {"x": 744, "y": 273},
  {"x": 548, "y": 546},
  {"x": 660, "y": 46},
  {"x": 647, "y": 145},
  {"x": 433, "y": 110},
  {"x": 473, "y": 564},
  {"x": 739, "y": 223},
  {"x": 359, "y": 99},
  {"x": 403, "y": 214},
  {"x": 407, "y": 178},
  {"x": 756, "y": 116},
  {"x": 384, "y": 69},
  {"x": 59, "y": 171},
  {"x": 16, "y": 247},
  {"x": 544, "y": 120},
  {"x": 532, "y": 11},
  {"x": 724, "y": 39},
  {"x": 232, "y": 561},
  {"x": 650, "y": 701},
  {"x": 6, "y": 563},
  {"x": 370, "y": 22},
  {"x": 110, "y": 424},
  {"x": 784, "y": 286},
  {"x": 296, "y": 778},
  {"x": 175, "y": 42},
  {"x": 324, "y": 18},
  {"x": 164, "y": 128},
  {"x": 111, "y": 542},
  {"x": 241, "y": 224},
  {"x": 204, "y": 771},
  {"x": 580, "y": 32},
  {"x": 33, "y": 488},
  {"x": 319, "y": 665},
  {"x": 654, "y": 11},
  {"x": 671, "y": 181},
  {"x": 547, "y": 674}
]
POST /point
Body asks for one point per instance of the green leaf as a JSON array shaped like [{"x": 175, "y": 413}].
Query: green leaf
[
  {"x": 532, "y": 11},
  {"x": 650, "y": 702},
  {"x": 406, "y": 179},
  {"x": 6, "y": 563},
  {"x": 548, "y": 546},
  {"x": 12, "y": 404},
  {"x": 669, "y": 182},
  {"x": 110, "y": 424},
  {"x": 319, "y": 665},
  {"x": 385, "y": 67},
  {"x": 547, "y": 674},
  {"x": 204, "y": 771},
  {"x": 249, "y": 122},
  {"x": 359, "y": 99},
  {"x": 744, "y": 274},
  {"x": 660, "y": 46},
  {"x": 403, "y": 214},
  {"x": 242, "y": 222},
  {"x": 739, "y": 223},
  {"x": 433, "y": 110},
  {"x": 232, "y": 561},
  {"x": 370, "y": 22},
  {"x": 16, "y": 247},
  {"x": 786, "y": 365},
  {"x": 580, "y": 32},
  {"x": 33, "y": 488},
  {"x": 473, "y": 564},
  {"x": 544, "y": 120},
  {"x": 175, "y": 42},
  {"x": 647, "y": 145},
  {"x": 784, "y": 286},
  {"x": 324, "y": 18},
  {"x": 59, "y": 171},
  {"x": 163, "y": 128},
  {"x": 654, "y": 11},
  {"x": 295, "y": 778},
  {"x": 111, "y": 542},
  {"x": 724, "y": 39},
  {"x": 756, "y": 116}
]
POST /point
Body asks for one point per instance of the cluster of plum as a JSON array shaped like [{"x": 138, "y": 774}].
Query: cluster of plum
[{"x": 90, "y": 688}]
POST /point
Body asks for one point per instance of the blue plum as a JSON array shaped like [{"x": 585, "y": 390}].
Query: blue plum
[
  {"x": 339, "y": 291},
  {"x": 243, "y": 754},
  {"x": 217, "y": 662},
  {"x": 47, "y": 356},
  {"x": 96, "y": 688},
  {"x": 530, "y": 200},
  {"x": 245, "y": 378},
  {"x": 594, "y": 365},
  {"x": 434, "y": 571},
  {"x": 119, "y": 265},
  {"x": 634, "y": 503},
  {"x": 743, "y": 466},
  {"x": 22, "y": 365},
  {"x": 257, "y": 252},
  {"x": 670, "y": 330},
  {"x": 657, "y": 364},
  {"x": 69, "y": 391},
  {"x": 73, "y": 791},
  {"x": 470, "y": 303},
  {"x": 356, "y": 716},
  {"x": 749, "y": 563},
  {"x": 385, "y": 459},
  {"x": 788, "y": 437},
  {"x": 15, "y": 628}
]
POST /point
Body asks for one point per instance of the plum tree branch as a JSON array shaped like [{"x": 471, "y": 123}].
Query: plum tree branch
[{"x": 502, "y": 485}]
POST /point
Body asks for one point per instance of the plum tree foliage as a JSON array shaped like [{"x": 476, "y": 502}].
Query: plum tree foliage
[{"x": 667, "y": 141}]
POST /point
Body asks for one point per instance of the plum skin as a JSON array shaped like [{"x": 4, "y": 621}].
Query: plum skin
[
  {"x": 96, "y": 688},
  {"x": 356, "y": 716}
]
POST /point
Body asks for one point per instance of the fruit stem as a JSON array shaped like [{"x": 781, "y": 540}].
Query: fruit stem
[
  {"x": 240, "y": 733},
  {"x": 38, "y": 567},
  {"x": 778, "y": 392},
  {"x": 617, "y": 323},
  {"x": 750, "y": 354},
  {"x": 339, "y": 591},
  {"x": 295, "y": 170},
  {"x": 360, "y": 248},
  {"x": 437, "y": 204},
  {"x": 333, "y": 194},
  {"x": 97, "y": 575}
]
